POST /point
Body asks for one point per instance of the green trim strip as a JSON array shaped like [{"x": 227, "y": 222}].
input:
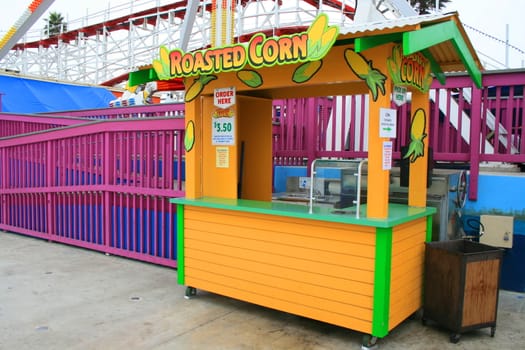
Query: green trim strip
[
  {"x": 429, "y": 229},
  {"x": 383, "y": 267},
  {"x": 142, "y": 76},
  {"x": 365, "y": 43},
  {"x": 434, "y": 66},
  {"x": 344, "y": 42},
  {"x": 424, "y": 38},
  {"x": 180, "y": 244},
  {"x": 397, "y": 213}
]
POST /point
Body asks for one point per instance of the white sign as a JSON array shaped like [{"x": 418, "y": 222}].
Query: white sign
[
  {"x": 224, "y": 97},
  {"x": 223, "y": 127},
  {"x": 400, "y": 95},
  {"x": 387, "y": 155},
  {"x": 387, "y": 123}
]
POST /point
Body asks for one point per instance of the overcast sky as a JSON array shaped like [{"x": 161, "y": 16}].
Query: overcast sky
[{"x": 488, "y": 18}]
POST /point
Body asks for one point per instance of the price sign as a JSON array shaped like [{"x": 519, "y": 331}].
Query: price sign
[{"x": 223, "y": 127}]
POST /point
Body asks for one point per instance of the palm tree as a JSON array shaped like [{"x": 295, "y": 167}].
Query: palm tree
[
  {"x": 55, "y": 24},
  {"x": 426, "y": 6}
]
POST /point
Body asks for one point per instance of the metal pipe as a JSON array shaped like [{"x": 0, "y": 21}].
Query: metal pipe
[
  {"x": 312, "y": 172},
  {"x": 358, "y": 199}
]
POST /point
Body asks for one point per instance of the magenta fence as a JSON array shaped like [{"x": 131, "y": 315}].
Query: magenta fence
[
  {"x": 468, "y": 125},
  {"x": 102, "y": 185},
  {"x": 144, "y": 111},
  {"x": 15, "y": 124},
  {"x": 105, "y": 184}
]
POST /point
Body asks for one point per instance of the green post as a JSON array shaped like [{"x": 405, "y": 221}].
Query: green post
[
  {"x": 180, "y": 244},
  {"x": 383, "y": 264},
  {"x": 429, "y": 228}
]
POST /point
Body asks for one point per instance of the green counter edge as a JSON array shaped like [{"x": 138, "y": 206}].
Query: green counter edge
[
  {"x": 180, "y": 244},
  {"x": 301, "y": 211}
]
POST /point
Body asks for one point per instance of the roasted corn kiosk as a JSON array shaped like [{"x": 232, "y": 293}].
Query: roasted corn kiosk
[{"x": 355, "y": 267}]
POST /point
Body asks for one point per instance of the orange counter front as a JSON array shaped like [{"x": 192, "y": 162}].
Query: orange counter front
[{"x": 361, "y": 274}]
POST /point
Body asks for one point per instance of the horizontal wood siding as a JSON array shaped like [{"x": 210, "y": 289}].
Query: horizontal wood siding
[
  {"x": 408, "y": 250},
  {"x": 315, "y": 269}
]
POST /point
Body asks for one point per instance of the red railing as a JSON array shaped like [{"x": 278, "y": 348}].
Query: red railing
[{"x": 101, "y": 185}]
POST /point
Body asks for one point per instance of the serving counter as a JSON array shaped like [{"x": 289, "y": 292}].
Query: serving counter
[{"x": 362, "y": 274}]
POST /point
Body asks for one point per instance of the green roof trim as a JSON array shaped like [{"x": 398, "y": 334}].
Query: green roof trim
[
  {"x": 434, "y": 66},
  {"x": 419, "y": 40},
  {"x": 142, "y": 76},
  {"x": 369, "y": 42}
]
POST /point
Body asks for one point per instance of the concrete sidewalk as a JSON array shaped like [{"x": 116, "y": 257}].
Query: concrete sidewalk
[{"x": 57, "y": 297}]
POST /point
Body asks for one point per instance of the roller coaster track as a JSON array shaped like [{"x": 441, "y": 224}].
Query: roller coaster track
[{"x": 107, "y": 50}]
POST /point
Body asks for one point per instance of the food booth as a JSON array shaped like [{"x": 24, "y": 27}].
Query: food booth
[{"x": 359, "y": 267}]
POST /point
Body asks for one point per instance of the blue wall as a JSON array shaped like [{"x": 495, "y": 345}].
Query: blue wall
[
  {"x": 504, "y": 194},
  {"x": 24, "y": 95},
  {"x": 499, "y": 194}
]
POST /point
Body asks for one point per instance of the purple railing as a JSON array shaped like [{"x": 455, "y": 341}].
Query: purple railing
[
  {"x": 15, "y": 124},
  {"x": 102, "y": 185},
  {"x": 143, "y": 111},
  {"x": 467, "y": 125},
  {"x": 105, "y": 184}
]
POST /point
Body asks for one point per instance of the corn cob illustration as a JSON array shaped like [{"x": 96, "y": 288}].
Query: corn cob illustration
[
  {"x": 394, "y": 63},
  {"x": 197, "y": 86},
  {"x": 374, "y": 79},
  {"x": 418, "y": 125},
  {"x": 306, "y": 71},
  {"x": 162, "y": 65},
  {"x": 189, "y": 136},
  {"x": 250, "y": 77},
  {"x": 321, "y": 37}
]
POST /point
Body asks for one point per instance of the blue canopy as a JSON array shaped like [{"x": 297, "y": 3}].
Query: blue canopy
[{"x": 22, "y": 95}]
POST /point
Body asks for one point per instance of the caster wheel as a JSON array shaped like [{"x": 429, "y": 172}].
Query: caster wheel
[
  {"x": 492, "y": 331},
  {"x": 190, "y": 292},
  {"x": 454, "y": 338},
  {"x": 369, "y": 342}
]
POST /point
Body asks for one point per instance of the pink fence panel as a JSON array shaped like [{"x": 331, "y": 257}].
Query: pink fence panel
[
  {"x": 467, "y": 125},
  {"x": 144, "y": 111},
  {"x": 502, "y": 117},
  {"x": 15, "y": 124},
  {"x": 102, "y": 185}
]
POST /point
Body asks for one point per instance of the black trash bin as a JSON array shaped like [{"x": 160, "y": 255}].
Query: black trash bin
[{"x": 461, "y": 285}]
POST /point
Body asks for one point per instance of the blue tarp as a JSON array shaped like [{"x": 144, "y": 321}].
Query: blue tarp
[{"x": 22, "y": 95}]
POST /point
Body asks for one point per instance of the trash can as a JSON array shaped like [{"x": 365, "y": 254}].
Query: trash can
[{"x": 461, "y": 285}]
